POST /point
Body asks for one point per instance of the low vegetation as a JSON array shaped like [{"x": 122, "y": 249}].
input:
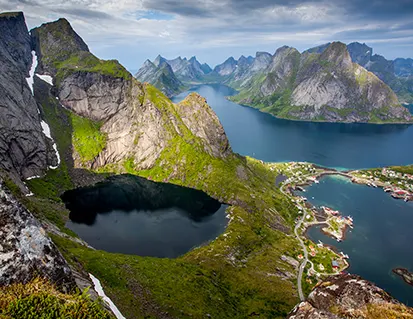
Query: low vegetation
[
  {"x": 40, "y": 299},
  {"x": 240, "y": 273},
  {"x": 88, "y": 140},
  {"x": 87, "y": 62}
]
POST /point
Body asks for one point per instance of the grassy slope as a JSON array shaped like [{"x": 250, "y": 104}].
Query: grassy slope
[
  {"x": 40, "y": 299},
  {"x": 239, "y": 268}
]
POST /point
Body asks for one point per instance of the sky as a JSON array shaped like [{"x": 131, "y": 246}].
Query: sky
[{"x": 132, "y": 31}]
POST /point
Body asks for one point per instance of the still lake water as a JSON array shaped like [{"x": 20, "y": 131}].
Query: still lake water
[
  {"x": 131, "y": 215},
  {"x": 382, "y": 236},
  {"x": 339, "y": 145}
]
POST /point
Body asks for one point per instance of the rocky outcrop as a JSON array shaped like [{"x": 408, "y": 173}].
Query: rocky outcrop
[
  {"x": 26, "y": 252},
  {"x": 349, "y": 296},
  {"x": 282, "y": 70},
  {"x": 160, "y": 75},
  {"x": 58, "y": 43},
  {"x": 210, "y": 131},
  {"x": 321, "y": 87},
  {"x": 137, "y": 120},
  {"x": 25, "y": 151},
  {"x": 396, "y": 74}
]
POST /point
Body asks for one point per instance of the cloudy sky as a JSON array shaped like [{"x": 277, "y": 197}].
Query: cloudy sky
[{"x": 134, "y": 30}]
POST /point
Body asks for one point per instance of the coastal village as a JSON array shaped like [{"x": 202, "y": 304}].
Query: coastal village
[
  {"x": 398, "y": 184},
  {"x": 323, "y": 260}
]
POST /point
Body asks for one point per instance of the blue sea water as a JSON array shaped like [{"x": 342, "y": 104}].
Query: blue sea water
[
  {"x": 338, "y": 145},
  {"x": 382, "y": 235}
]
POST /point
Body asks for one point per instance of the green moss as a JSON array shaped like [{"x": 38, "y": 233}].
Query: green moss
[
  {"x": 88, "y": 140},
  {"x": 87, "y": 62}
]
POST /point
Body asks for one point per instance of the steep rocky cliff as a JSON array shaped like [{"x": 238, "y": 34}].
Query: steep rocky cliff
[
  {"x": 396, "y": 74},
  {"x": 325, "y": 86},
  {"x": 130, "y": 124},
  {"x": 349, "y": 296},
  {"x": 25, "y": 151}
]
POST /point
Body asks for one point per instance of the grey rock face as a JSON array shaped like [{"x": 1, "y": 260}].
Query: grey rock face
[
  {"x": 281, "y": 70},
  {"x": 147, "y": 72},
  {"x": 262, "y": 61},
  {"x": 94, "y": 95},
  {"x": 326, "y": 86},
  {"x": 186, "y": 70},
  {"x": 207, "y": 126},
  {"x": 16, "y": 41},
  {"x": 59, "y": 42},
  {"x": 24, "y": 150},
  {"x": 347, "y": 296},
  {"x": 25, "y": 250},
  {"x": 227, "y": 67},
  {"x": 360, "y": 53}
]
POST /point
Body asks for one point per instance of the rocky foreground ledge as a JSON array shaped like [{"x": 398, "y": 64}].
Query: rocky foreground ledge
[{"x": 349, "y": 296}]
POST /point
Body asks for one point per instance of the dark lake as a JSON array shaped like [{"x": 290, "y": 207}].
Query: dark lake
[
  {"x": 339, "y": 145},
  {"x": 132, "y": 215},
  {"x": 382, "y": 236}
]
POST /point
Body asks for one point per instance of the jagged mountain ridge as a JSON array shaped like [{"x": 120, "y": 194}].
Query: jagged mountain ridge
[
  {"x": 170, "y": 75},
  {"x": 324, "y": 86},
  {"x": 161, "y": 76}
]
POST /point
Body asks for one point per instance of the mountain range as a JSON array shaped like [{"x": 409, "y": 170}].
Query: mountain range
[
  {"x": 346, "y": 84},
  {"x": 172, "y": 76}
]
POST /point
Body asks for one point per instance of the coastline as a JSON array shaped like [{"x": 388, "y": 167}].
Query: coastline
[{"x": 317, "y": 121}]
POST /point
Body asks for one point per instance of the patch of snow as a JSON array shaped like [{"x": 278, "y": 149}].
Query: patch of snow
[
  {"x": 47, "y": 78},
  {"x": 30, "y": 79},
  {"x": 57, "y": 155},
  {"x": 99, "y": 290},
  {"x": 32, "y": 177},
  {"x": 30, "y": 194},
  {"x": 46, "y": 131}
]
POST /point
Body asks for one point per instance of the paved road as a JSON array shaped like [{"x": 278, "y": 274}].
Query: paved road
[{"x": 305, "y": 260}]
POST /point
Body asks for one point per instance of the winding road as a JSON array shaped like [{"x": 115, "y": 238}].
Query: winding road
[
  {"x": 297, "y": 227},
  {"x": 305, "y": 260}
]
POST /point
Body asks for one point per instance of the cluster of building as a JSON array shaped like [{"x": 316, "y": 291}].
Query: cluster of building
[
  {"x": 337, "y": 224},
  {"x": 400, "y": 185}
]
